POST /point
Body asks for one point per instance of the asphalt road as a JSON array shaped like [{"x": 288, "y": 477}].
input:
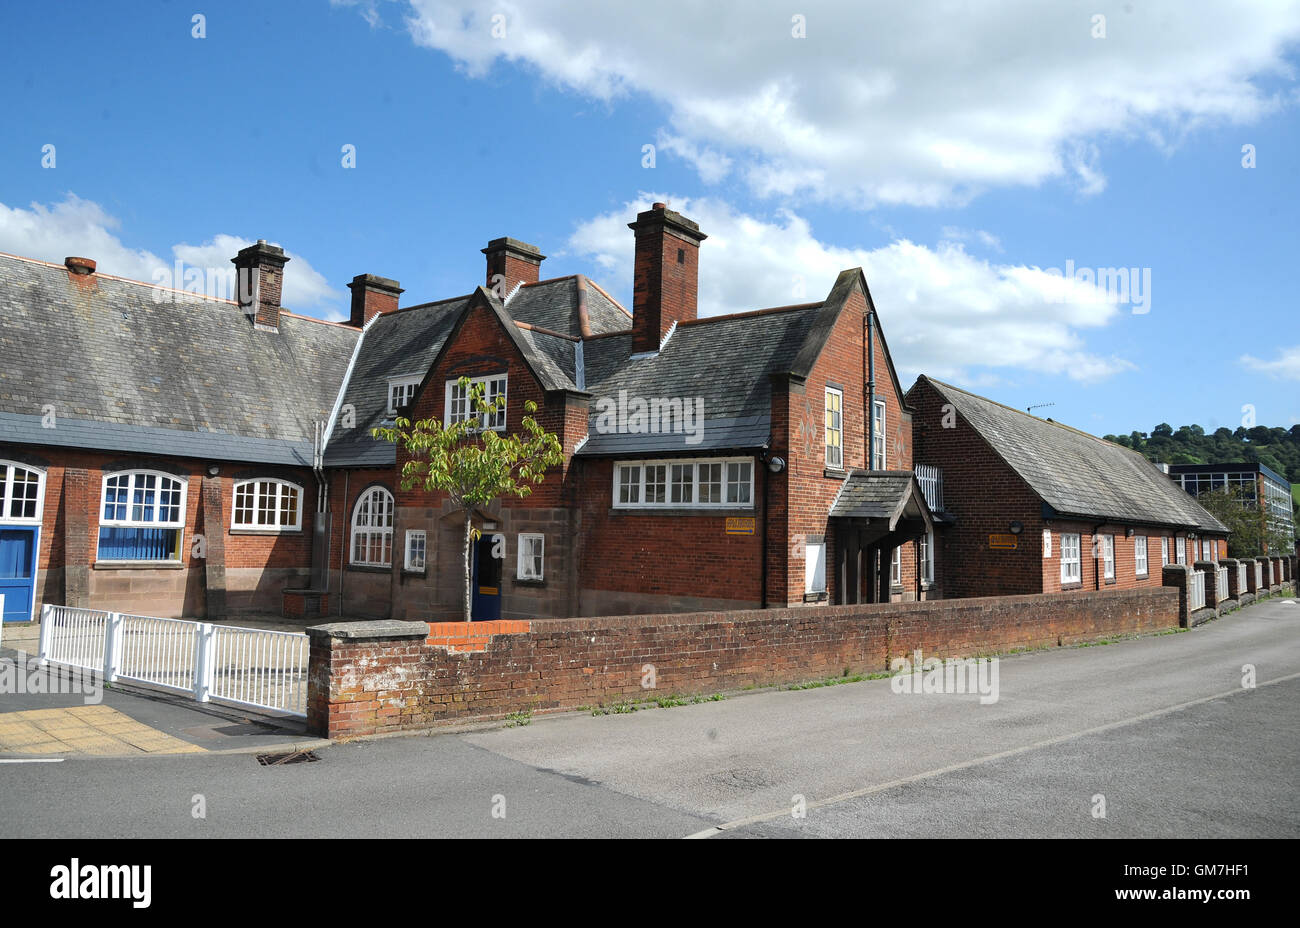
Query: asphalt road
[{"x": 1161, "y": 728}]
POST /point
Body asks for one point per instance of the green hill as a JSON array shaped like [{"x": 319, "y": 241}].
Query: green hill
[{"x": 1276, "y": 448}]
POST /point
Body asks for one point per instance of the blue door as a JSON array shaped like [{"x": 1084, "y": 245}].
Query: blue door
[
  {"x": 17, "y": 572},
  {"x": 485, "y": 596}
]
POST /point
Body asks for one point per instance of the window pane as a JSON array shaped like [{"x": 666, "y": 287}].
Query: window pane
[
  {"x": 683, "y": 483},
  {"x": 629, "y": 485},
  {"x": 655, "y": 478},
  {"x": 710, "y": 483},
  {"x": 738, "y": 479}
]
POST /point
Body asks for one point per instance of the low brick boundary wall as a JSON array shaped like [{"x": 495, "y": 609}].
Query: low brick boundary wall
[{"x": 371, "y": 677}]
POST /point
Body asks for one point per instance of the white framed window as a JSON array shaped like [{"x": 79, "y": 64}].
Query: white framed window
[
  {"x": 458, "y": 405},
  {"x": 416, "y": 549},
  {"x": 1108, "y": 556},
  {"x": 814, "y": 571},
  {"x": 927, "y": 557},
  {"x": 372, "y": 529},
  {"x": 1071, "y": 565},
  {"x": 532, "y": 552},
  {"x": 1047, "y": 542},
  {"x": 684, "y": 484},
  {"x": 1164, "y": 550},
  {"x": 896, "y": 568},
  {"x": 267, "y": 505},
  {"x": 22, "y": 493},
  {"x": 401, "y": 390},
  {"x": 878, "y": 435},
  {"x": 1140, "y": 555},
  {"x": 142, "y": 517},
  {"x": 834, "y": 427},
  {"x": 1180, "y": 550}
]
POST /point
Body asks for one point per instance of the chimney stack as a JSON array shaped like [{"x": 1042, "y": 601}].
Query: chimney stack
[
  {"x": 79, "y": 266},
  {"x": 666, "y": 275},
  {"x": 371, "y": 296},
  {"x": 511, "y": 262},
  {"x": 259, "y": 278}
]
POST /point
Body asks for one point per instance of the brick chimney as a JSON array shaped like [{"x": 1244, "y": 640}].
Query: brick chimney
[
  {"x": 513, "y": 262},
  {"x": 259, "y": 278},
  {"x": 372, "y": 295},
  {"x": 665, "y": 279}
]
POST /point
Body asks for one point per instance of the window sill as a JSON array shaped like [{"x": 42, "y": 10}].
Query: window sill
[
  {"x": 371, "y": 568},
  {"x": 1110, "y": 582},
  {"x": 414, "y": 572},
  {"x": 266, "y": 531},
  {"x": 682, "y": 511},
  {"x": 837, "y": 473},
  {"x": 1073, "y": 585},
  {"x": 139, "y": 565},
  {"x": 520, "y": 581},
  {"x": 815, "y": 597}
]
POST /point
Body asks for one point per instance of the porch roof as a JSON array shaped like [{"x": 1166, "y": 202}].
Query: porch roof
[{"x": 888, "y": 495}]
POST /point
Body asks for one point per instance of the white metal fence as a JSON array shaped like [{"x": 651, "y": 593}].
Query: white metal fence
[
  {"x": 1259, "y": 575},
  {"x": 1242, "y": 586},
  {"x": 256, "y": 668},
  {"x": 1196, "y": 591},
  {"x": 1221, "y": 588}
]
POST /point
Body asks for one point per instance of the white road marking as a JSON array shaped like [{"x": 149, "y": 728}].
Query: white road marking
[
  {"x": 1024, "y": 749},
  {"x": 34, "y": 760}
]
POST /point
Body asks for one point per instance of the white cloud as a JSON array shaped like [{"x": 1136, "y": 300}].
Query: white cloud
[
  {"x": 82, "y": 227},
  {"x": 894, "y": 103},
  {"x": 1285, "y": 367},
  {"x": 945, "y": 312}
]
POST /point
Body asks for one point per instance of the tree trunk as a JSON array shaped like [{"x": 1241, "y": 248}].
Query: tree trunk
[{"x": 469, "y": 568}]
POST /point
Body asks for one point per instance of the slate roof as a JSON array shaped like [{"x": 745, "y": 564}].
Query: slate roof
[
  {"x": 559, "y": 305},
  {"x": 872, "y": 494},
  {"x": 189, "y": 376},
  {"x": 1075, "y": 473},
  {"x": 725, "y": 362},
  {"x": 393, "y": 345}
]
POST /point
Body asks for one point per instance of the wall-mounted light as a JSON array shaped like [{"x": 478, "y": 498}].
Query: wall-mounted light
[
  {"x": 1016, "y": 528},
  {"x": 1128, "y": 532},
  {"x": 776, "y": 465},
  {"x": 214, "y": 469}
]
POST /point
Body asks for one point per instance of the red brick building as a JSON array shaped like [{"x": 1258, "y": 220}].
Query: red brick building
[{"x": 174, "y": 455}]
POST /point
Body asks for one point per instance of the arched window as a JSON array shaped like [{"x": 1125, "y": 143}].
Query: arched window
[
  {"x": 143, "y": 516},
  {"x": 267, "y": 505},
  {"x": 372, "y": 529},
  {"x": 21, "y": 492}
]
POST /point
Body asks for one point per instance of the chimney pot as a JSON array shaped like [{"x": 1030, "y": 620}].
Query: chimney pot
[
  {"x": 511, "y": 262},
  {"x": 372, "y": 295},
  {"x": 80, "y": 265},
  {"x": 658, "y": 206}
]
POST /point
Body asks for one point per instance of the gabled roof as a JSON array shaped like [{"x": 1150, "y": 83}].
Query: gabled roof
[
  {"x": 570, "y": 306},
  {"x": 128, "y": 366},
  {"x": 398, "y": 344},
  {"x": 1075, "y": 473},
  {"x": 880, "y": 494},
  {"x": 726, "y": 362}
]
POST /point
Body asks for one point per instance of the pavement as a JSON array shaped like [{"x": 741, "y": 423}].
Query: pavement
[
  {"x": 1187, "y": 735},
  {"x": 66, "y": 712}
]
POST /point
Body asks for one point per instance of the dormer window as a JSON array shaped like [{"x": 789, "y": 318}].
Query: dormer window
[{"x": 401, "y": 391}]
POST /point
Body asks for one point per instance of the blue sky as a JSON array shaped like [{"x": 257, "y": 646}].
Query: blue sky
[{"x": 955, "y": 155}]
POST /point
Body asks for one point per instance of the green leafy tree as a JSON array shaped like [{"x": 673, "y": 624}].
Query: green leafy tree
[
  {"x": 472, "y": 464},
  {"x": 1252, "y": 535}
]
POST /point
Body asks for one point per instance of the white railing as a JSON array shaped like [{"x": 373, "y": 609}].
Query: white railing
[
  {"x": 1196, "y": 591},
  {"x": 1222, "y": 587},
  {"x": 253, "y": 667},
  {"x": 1259, "y": 575},
  {"x": 1241, "y": 578},
  {"x": 74, "y": 637},
  {"x": 159, "y": 652},
  {"x": 931, "y": 480},
  {"x": 250, "y": 667},
  {"x": 1271, "y": 581}
]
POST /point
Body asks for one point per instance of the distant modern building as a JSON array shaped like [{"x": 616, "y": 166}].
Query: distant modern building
[{"x": 1261, "y": 487}]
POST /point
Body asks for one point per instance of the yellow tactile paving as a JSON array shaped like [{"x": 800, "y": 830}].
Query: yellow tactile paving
[{"x": 84, "y": 730}]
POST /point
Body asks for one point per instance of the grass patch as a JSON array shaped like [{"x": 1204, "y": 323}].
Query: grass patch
[{"x": 519, "y": 718}]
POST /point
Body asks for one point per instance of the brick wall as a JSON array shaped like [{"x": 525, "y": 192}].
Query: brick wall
[
  {"x": 383, "y": 677},
  {"x": 256, "y": 565}
]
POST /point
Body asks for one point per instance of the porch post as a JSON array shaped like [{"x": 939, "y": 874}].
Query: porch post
[{"x": 886, "y": 558}]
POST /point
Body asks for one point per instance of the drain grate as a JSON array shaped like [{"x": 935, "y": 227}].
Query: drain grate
[{"x": 296, "y": 757}]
